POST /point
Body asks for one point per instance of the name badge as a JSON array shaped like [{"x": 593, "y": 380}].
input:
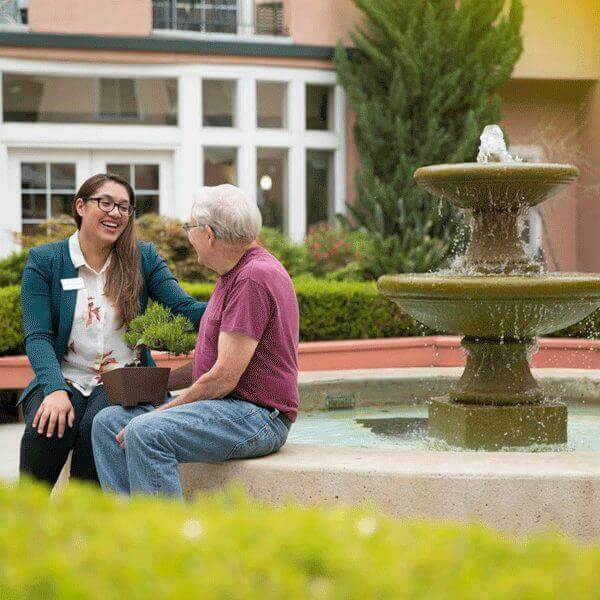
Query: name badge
[{"x": 74, "y": 283}]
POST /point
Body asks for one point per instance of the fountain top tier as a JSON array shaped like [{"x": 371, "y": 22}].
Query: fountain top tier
[
  {"x": 496, "y": 187},
  {"x": 498, "y": 190}
]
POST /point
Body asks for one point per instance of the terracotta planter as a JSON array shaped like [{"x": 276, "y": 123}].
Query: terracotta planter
[
  {"x": 436, "y": 351},
  {"x": 130, "y": 386},
  {"x": 427, "y": 351}
]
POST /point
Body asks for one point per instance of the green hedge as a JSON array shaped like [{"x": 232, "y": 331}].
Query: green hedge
[
  {"x": 340, "y": 311},
  {"x": 329, "y": 310},
  {"x": 11, "y": 268},
  {"x": 11, "y": 320},
  {"x": 85, "y": 544}
]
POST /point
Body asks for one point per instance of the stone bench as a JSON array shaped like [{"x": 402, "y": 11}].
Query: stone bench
[{"x": 513, "y": 492}]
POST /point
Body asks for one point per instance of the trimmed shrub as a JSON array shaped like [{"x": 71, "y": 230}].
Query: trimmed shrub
[
  {"x": 11, "y": 321},
  {"x": 11, "y": 268},
  {"x": 51, "y": 230},
  {"x": 86, "y": 544},
  {"x": 173, "y": 245},
  {"x": 348, "y": 311}
]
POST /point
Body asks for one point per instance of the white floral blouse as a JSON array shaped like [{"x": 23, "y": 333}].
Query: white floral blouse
[{"x": 96, "y": 344}]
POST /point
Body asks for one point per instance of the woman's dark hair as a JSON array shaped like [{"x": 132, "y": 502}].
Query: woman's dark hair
[{"x": 124, "y": 282}]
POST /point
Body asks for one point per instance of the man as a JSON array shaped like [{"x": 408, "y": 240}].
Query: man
[{"x": 242, "y": 396}]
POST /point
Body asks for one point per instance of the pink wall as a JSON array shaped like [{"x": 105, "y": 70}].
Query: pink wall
[
  {"x": 588, "y": 225},
  {"x": 320, "y": 22},
  {"x": 110, "y": 17},
  {"x": 555, "y": 115}
]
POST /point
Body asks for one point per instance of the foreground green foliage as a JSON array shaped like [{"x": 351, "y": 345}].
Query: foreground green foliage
[
  {"x": 159, "y": 329},
  {"x": 423, "y": 80},
  {"x": 84, "y": 544}
]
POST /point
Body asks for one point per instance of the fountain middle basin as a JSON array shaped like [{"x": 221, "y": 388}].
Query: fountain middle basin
[{"x": 495, "y": 307}]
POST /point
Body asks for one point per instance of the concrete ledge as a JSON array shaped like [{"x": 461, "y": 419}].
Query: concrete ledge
[
  {"x": 518, "y": 492},
  {"x": 381, "y": 387}
]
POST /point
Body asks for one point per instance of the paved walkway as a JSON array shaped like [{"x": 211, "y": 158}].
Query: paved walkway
[{"x": 10, "y": 438}]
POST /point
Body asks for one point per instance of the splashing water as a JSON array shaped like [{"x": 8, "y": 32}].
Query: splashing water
[{"x": 492, "y": 147}]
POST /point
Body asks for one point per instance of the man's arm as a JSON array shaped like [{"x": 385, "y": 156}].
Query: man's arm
[
  {"x": 181, "y": 378},
  {"x": 234, "y": 353}
]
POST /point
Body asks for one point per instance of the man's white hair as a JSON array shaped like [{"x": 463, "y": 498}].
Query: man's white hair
[{"x": 229, "y": 212}]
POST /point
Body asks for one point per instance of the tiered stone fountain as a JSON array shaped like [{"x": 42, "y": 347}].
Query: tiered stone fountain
[{"x": 498, "y": 299}]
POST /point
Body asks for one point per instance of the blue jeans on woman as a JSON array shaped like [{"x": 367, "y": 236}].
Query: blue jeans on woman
[{"x": 155, "y": 442}]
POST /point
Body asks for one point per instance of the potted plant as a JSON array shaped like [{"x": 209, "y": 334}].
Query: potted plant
[{"x": 157, "y": 329}]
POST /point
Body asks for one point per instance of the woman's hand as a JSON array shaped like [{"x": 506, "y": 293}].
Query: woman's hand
[{"x": 56, "y": 409}]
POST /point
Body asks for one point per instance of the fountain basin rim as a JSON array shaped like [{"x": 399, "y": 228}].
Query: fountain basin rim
[
  {"x": 572, "y": 286},
  {"x": 468, "y": 172}
]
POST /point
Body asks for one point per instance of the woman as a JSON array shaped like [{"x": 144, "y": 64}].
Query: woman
[{"x": 78, "y": 297}]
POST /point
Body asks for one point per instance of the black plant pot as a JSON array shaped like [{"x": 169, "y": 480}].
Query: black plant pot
[{"x": 130, "y": 386}]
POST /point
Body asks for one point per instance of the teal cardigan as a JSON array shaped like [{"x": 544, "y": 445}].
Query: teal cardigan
[{"x": 48, "y": 310}]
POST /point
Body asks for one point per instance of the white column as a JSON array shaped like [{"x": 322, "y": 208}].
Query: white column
[
  {"x": 187, "y": 157},
  {"x": 1, "y": 101},
  {"x": 246, "y": 17},
  {"x": 339, "y": 161},
  {"x": 10, "y": 221},
  {"x": 246, "y": 122},
  {"x": 297, "y": 161}
]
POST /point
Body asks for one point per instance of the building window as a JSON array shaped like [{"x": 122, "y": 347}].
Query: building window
[
  {"x": 218, "y": 103},
  {"x": 319, "y": 107},
  {"x": 47, "y": 190},
  {"x": 215, "y": 16},
  {"x": 319, "y": 186},
  {"x": 220, "y": 165},
  {"x": 118, "y": 99},
  {"x": 50, "y": 99},
  {"x": 271, "y": 104},
  {"x": 144, "y": 179},
  {"x": 272, "y": 185},
  {"x": 269, "y": 18}
]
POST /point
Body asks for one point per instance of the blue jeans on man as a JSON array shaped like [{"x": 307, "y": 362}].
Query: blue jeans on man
[{"x": 156, "y": 442}]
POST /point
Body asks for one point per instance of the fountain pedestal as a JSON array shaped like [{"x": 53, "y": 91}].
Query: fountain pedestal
[
  {"x": 497, "y": 402},
  {"x": 489, "y": 427}
]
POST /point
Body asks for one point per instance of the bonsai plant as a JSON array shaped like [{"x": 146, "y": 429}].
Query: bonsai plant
[{"x": 157, "y": 329}]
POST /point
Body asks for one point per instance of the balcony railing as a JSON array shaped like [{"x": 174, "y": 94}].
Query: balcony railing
[{"x": 218, "y": 16}]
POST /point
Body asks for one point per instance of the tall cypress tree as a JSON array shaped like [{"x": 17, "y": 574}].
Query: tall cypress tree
[{"x": 423, "y": 81}]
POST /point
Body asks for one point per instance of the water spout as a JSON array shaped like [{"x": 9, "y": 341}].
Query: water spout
[{"x": 492, "y": 147}]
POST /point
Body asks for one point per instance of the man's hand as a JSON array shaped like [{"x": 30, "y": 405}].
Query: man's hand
[
  {"x": 56, "y": 409},
  {"x": 120, "y": 437}
]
